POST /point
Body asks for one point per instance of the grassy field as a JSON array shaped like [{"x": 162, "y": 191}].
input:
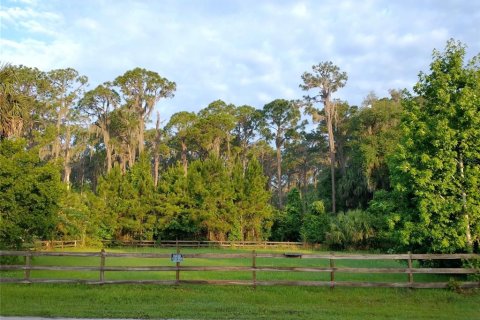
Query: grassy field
[{"x": 229, "y": 302}]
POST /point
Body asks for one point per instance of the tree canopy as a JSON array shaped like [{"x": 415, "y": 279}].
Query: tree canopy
[{"x": 400, "y": 172}]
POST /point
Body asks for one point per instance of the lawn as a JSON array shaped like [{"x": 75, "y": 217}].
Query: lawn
[{"x": 229, "y": 302}]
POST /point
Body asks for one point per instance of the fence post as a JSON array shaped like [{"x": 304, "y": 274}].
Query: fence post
[
  {"x": 28, "y": 264},
  {"x": 332, "y": 273},
  {"x": 254, "y": 266},
  {"x": 410, "y": 274},
  {"x": 102, "y": 266},
  {"x": 177, "y": 272}
]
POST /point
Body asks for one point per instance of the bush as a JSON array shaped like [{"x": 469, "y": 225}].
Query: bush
[
  {"x": 353, "y": 229},
  {"x": 29, "y": 195},
  {"x": 315, "y": 224}
]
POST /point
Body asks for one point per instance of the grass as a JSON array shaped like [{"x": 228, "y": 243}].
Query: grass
[{"x": 229, "y": 302}]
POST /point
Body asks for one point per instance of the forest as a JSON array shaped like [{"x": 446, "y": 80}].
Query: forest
[{"x": 396, "y": 173}]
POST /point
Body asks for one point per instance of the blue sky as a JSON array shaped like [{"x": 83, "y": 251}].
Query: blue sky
[{"x": 243, "y": 52}]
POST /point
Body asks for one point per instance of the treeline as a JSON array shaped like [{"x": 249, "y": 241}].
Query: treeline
[{"x": 394, "y": 173}]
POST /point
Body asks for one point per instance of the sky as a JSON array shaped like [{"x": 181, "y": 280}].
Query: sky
[{"x": 241, "y": 51}]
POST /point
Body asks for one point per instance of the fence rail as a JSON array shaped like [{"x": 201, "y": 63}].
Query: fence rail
[
  {"x": 173, "y": 243},
  {"x": 204, "y": 244},
  {"x": 254, "y": 267}
]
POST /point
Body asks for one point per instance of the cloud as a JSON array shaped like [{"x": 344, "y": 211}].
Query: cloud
[{"x": 242, "y": 51}]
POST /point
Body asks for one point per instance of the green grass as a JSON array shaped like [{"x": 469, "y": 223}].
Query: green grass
[{"x": 228, "y": 302}]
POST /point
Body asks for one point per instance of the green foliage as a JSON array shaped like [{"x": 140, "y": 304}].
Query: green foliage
[
  {"x": 214, "y": 202},
  {"x": 372, "y": 134},
  {"x": 75, "y": 219},
  {"x": 129, "y": 202},
  {"x": 280, "y": 123},
  {"x": 175, "y": 207},
  {"x": 287, "y": 224},
  {"x": 214, "y": 126},
  {"x": 473, "y": 264},
  {"x": 316, "y": 224},
  {"x": 30, "y": 192},
  {"x": 253, "y": 211},
  {"x": 436, "y": 168},
  {"x": 211, "y": 189},
  {"x": 352, "y": 229},
  {"x": 422, "y": 195},
  {"x": 384, "y": 209}
]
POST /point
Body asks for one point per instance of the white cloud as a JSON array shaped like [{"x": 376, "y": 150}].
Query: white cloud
[
  {"x": 300, "y": 10},
  {"x": 34, "y": 53},
  {"x": 244, "y": 51}
]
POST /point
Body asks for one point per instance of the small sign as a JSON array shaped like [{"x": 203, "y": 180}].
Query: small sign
[{"x": 176, "y": 257}]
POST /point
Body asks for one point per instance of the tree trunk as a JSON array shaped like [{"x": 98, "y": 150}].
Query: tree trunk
[
  {"x": 216, "y": 147},
  {"x": 57, "y": 142},
  {"x": 464, "y": 204},
  {"x": 244, "y": 157},
  {"x": 156, "y": 163},
  {"x": 279, "y": 175},
  {"x": 304, "y": 187},
  {"x": 123, "y": 163},
  {"x": 141, "y": 135},
  {"x": 184, "y": 157},
  {"x": 331, "y": 143},
  {"x": 67, "y": 169},
  {"x": 228, "y": 147},
  {"x": 131, "y": 156},
  {"x": 108, "y": 148}
]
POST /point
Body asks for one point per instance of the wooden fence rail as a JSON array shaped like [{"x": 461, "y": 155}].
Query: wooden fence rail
[
  {"x": 173, "y": 243},
  {"x": 254, "y": 267}
]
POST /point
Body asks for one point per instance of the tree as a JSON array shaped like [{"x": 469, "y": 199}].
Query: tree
[
  {"x": 65, "y": 88},
  {"x": 99, "y": 103},
  {"x": 30, "y": 192},
  {"x": 142, "y": 89},
  {"x": 156, "y": 140},
  {"x": 288, "y": 222},
  {"x": 302, "y": 159},
  {"x": 176, "y": 219},
  {"x": 251, "y": 200},
  {"x": 123, "y": 124},
  {"x": 210, "y": 186},
  {"x": 436, "y": 170},
  {"x": 367, "y": 138},
  {"x": 328, "y": 78},
  {"x": 181, "y": 125},
  {"x": 214, "y": 126},
  {"x": 281, "y": 119},
  {"x": 76, "y": 220},
  {"x": 248, "y": 123},
  {"x": 129, "y": 202},
  {"x": 20, "y": 88},
  {"x": 316, "y": 224}
]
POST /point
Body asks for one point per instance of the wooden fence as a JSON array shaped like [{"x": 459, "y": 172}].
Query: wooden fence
[
  {"x": 253, "y": 267},
  {"x": 56, "y": 244},
  {"x": 173, "y": 243}
]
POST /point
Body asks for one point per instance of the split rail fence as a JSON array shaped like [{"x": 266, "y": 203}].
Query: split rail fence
[
  {"x": 250, "y": 265},
  {"x": 42, "y": 245}
]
